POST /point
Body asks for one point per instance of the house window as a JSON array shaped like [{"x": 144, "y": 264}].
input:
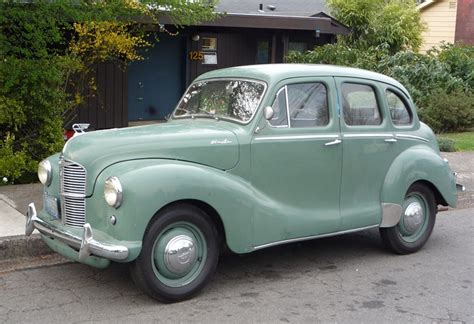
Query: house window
[
  {"x": 297, "y": 47},
  {"x": 209, "y": 44},
  {"x": 262, "y": 52}
]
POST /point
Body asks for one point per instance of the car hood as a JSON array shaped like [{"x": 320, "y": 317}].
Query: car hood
[{"x": 206, "y": 142}]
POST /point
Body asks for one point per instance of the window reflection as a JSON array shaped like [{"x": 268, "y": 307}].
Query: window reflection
[{"x": 232, "y": 99}]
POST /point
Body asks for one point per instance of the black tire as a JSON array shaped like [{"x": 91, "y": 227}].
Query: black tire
[
  {"x": 398, "y": 238},
  {"x": 154, "y": 273}
]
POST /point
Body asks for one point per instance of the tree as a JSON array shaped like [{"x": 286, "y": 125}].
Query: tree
[
  {"x": 392, "y": 24},
  {"x": 45, "y": 45}
]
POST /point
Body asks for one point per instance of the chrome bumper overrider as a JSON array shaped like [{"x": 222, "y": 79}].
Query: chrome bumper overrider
[
  {"x": 86, "y": 244},
  {"x": 460, "y": 187}
]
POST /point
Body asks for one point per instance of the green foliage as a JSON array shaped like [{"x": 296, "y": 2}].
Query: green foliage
[
  {"x": 462, "y": 141},
  {"x": 448, "y": 112},
  {"x": 45, "y": 45},
  {"x": 446, "y": 144},
  {"x": 393, "y": 24},
  {"x": 13, "y": 162},
  {"x": 340, "y": 54}
]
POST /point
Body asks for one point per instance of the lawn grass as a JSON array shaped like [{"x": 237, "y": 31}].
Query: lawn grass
[{"x": 462, "y": 141}]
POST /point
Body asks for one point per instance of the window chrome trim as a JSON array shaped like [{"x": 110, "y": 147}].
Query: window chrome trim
[
  {"x": 412, "y": 137},
  {"x": 295, "y": 137},
  {"x": 287, "y": 107},
  {"x": 305, "y": 238},
  {"x": 276, "y": 98},
  {"x": 264, "y": 93}
]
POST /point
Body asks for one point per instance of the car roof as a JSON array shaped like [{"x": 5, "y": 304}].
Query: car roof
[{"x": 272, "y": 73}]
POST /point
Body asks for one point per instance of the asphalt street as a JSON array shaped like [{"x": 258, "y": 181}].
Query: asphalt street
[{"x": 345, "y": 279}]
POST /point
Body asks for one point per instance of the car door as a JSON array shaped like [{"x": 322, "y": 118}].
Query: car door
[
  {"x": 368, "y": 150},
  {"x": 296, "y": 161}
]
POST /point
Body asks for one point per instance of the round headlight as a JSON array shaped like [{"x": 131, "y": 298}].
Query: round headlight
[
  {"x": 44, "y": 172},
  {"x": 113, "y": 192}
]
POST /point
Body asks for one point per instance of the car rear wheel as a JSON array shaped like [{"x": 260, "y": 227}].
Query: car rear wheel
[
  {"x": 179, "y": 254},
  {"x": 416, "y": 223}
]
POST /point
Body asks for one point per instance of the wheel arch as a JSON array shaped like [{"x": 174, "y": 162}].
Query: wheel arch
[{"x": 202, "y": 205}]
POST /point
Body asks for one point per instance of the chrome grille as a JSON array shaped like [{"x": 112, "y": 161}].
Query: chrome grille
[{"x": 73, "y": 193}]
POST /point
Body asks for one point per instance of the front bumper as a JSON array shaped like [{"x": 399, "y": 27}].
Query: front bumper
[{"x": 86, "y": 245}]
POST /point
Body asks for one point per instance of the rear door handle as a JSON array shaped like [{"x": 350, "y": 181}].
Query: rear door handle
[
  {"x": 336, "y": 141},
  {"x": 391, "y": 140}
]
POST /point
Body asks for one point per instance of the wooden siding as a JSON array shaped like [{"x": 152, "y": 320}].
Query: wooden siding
[
  {"x": 233, "y": 49},
  {"x": 107, "y": 108},
  {"x": 440, "y": 20}
]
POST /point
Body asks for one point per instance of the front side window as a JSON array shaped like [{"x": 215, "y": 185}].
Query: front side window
[
  {"x": 227, "y": 99},
  {"x": 306, "y": 104},
  {"x": 399, "y": 113},
  {"x": 359, "y": 105}
]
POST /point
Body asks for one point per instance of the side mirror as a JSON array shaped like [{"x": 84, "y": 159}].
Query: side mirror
[{"x": 268, "y": 112}]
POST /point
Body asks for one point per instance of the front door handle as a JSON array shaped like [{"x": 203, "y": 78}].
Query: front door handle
[
  {"x": 336, "y": 141},
  {"x": 391, "y": 140}
]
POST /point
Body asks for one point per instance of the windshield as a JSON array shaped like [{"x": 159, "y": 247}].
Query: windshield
[{"x": 228, "y": 99}]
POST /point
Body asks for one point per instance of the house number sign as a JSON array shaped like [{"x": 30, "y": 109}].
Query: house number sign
[{"x": 196, "y": 56}]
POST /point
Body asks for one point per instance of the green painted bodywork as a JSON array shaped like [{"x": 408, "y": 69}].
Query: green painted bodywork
[{"x": 266, "y": 184}]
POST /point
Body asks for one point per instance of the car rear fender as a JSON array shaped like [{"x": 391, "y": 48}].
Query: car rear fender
[{"x": 418, "y": 163}]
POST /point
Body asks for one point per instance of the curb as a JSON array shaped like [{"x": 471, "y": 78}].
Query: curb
[{"x": 20, "y": 246}]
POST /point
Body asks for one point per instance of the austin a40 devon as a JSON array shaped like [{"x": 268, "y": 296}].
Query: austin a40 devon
[{"x": 252, "y": 157}]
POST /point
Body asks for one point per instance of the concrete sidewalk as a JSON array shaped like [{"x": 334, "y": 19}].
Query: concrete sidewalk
[{"x": 14, "y": 200}]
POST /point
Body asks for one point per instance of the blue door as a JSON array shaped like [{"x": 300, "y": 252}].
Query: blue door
[{"x": 156, "y": 83}]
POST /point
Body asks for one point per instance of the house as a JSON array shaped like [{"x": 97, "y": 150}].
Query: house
[
  {"x": 447, "y": 21},
  {"x": 249, "y": 33}
]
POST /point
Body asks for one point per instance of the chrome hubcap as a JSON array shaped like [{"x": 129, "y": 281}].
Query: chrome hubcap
[
  {"x": 413, "y": 217},
  {"x": 180, "y": 254}
]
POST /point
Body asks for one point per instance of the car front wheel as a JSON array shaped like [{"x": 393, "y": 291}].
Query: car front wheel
[
  {"x": 416, "y": 223},
  {"x": 179, "y": 254}
]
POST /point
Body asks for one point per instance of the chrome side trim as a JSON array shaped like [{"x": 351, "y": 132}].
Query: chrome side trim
[
  {"x": 411, "y": 137},
  {"x": 391, "y": 214},
  {"x": 295, "y": 137},
  {"x": 86, "y": 244},
  {"x": 306, "y": 238},
  {"x": 365, "y": 135}
]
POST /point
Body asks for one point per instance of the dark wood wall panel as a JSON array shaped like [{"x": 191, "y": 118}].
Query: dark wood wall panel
[
  {"x": 233, "y": 49},
  {"x": 108, "y": 107}
]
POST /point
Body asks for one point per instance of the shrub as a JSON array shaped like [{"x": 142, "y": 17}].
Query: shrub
[
  {"x": 446, "y": 144},
  {"x": 448, "y": 112}
]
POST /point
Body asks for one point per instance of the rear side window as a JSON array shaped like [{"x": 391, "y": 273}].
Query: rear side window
[
  {"x": 399, "y": 112},
  {"x": 359, "y": 105}
]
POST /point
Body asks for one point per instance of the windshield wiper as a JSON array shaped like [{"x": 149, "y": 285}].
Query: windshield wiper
[{"x": 208, "y": 113}]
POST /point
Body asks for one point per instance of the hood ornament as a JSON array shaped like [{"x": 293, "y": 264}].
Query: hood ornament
[{"x": 79, "y": 128}]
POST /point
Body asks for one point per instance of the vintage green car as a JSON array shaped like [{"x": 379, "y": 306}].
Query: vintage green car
[{"x": 252, "y": 157}]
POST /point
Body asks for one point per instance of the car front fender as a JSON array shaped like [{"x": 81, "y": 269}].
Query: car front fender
[{"x": 150, "y": 185}]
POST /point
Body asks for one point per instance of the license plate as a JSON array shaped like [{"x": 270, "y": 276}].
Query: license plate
[{"x": 51, "y": 205}]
